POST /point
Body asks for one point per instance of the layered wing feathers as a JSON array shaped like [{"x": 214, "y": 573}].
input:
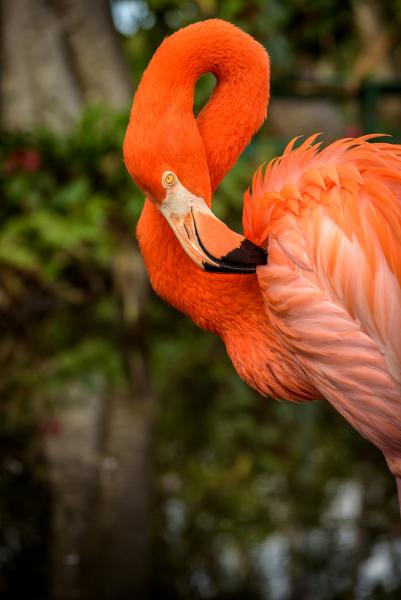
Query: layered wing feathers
[{"x": 336, "y": 213}]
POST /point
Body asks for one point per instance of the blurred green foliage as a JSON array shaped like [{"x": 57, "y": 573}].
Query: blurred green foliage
[
  {"x": 64, "y": 203},
  {"x": 301, "y": 37}
]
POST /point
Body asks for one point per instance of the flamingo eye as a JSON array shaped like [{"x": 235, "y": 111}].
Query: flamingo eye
[{"x": 168, "y": 179}]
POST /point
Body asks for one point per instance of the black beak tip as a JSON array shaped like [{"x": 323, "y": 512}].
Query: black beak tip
[
  {"x": 243, "y": 259},
  {"x": 246, "y": 254}
]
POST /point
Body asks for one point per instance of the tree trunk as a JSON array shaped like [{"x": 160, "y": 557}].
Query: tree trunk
[
  {"x": 56, "y": 57},
  {"x": 100, "y": 469},
  {"x": 73, "y": 455},
  {"x": 38, "y": 86},
  {"x": 95, "y": 54}
]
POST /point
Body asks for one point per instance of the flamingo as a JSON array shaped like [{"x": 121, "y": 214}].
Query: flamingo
[{"x": 308, "y": 301}]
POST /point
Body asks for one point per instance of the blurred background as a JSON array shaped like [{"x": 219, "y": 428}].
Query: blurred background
[{"x": 133, "y": 461}]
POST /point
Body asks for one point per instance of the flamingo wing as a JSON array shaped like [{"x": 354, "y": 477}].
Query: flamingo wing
[{"x": 332, "y": 287}]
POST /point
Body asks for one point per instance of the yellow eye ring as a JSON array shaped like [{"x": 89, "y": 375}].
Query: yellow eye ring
[{"x": 169, "y": 179}]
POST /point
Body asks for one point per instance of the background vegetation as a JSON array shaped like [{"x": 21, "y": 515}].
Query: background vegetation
[{"x": 134, "y": 462}]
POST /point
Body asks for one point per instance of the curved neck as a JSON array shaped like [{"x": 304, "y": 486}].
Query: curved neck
[
  {"x": 215, "y": 302},
  {"x": 236, "y": 109},
  {"x": 238, "y": 105}
]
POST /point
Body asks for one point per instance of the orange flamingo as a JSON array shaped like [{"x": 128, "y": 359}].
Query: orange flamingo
[{"x": 308, "y": 304}]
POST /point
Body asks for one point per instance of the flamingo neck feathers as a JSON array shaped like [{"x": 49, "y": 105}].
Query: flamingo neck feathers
[
  {"x": 235, "y": 111},
  {"x": 238, "y": 105},
  {"x": 229, "y": 305}
]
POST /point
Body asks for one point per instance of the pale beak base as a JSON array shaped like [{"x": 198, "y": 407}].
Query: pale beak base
[{"x": 207, "y": 240}]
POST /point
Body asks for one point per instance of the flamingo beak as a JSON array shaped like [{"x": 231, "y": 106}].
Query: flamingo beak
[{"x": 207, "y": 240}]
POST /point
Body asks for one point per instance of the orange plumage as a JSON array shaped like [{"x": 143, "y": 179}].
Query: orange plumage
[{"x": 322, "y": 317}]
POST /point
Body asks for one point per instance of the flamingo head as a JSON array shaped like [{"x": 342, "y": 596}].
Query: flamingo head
[{"x": 165, "y": 156}]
